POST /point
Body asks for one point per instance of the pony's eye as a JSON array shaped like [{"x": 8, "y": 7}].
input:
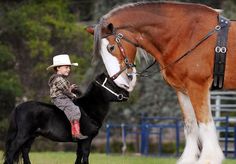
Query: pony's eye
[{"x": 110, "y": 48}]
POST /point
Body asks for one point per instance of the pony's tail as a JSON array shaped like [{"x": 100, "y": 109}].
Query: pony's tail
[{"x": 11, "y": 134}]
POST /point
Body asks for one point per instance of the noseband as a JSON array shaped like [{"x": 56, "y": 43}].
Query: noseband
[{"x": 119, "y": 96}]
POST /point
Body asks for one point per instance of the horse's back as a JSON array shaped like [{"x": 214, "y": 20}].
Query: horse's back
[{"x": 230, "y": 68}]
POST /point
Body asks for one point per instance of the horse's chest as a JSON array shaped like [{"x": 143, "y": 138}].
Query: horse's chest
[{"x": 173, "y": 80}]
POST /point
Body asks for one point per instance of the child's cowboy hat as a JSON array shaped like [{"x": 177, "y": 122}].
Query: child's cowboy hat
[{"x": 60, "y": 60}]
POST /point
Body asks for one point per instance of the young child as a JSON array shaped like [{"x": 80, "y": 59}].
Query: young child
[{"x": 61, "y": 92}]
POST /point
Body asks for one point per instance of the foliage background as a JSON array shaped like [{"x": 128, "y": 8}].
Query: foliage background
[{"x": 33, "y": 31}]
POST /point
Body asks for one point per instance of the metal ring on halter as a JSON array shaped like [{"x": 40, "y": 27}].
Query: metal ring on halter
[
  {"x": 120, "y": 97},
  {"x": 120, "y": 35},
  {"x": 218, "y": 27},
  {"x": 118, "y": 40},
  {"x": 126, "y": 60}
]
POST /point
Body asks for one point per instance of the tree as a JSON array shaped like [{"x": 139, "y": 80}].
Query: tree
[
  {"x": 31, "y": 32},
  {"x": 37, "y": 30}
]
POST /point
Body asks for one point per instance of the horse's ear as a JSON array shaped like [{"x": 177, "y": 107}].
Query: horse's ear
[
  {"x": 110, "y": 27},
  {"x": 90, "y": 29}
]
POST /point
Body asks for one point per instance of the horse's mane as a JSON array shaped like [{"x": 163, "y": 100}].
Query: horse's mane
[{"x": 156, "y": 4}]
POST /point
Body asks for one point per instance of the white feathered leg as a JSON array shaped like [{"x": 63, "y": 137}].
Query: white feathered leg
[
  {"x": 211, "y": 151},
  {"x": 191, "y": 150}
]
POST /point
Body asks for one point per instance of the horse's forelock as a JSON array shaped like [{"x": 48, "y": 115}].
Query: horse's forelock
[{"x": 97, "y": 38}]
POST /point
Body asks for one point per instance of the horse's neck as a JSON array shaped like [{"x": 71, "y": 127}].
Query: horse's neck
[{"x": 168, "y": 26}]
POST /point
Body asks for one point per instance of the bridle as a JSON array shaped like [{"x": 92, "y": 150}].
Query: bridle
[
  {"x": 118, "y": 37},
  {"x": 118, "y": 95},
  {"x": 128, "y": 64}
]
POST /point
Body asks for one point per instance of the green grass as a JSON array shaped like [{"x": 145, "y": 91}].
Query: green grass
[{"x": 69, "y": 157}]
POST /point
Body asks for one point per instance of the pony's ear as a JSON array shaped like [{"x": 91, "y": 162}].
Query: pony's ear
[
  {"x": 110, "y": 27},
  {"x": 90, "y": 29}
]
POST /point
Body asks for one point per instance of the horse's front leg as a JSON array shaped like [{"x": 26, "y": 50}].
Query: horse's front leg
[
  {"x": 211, "y": 152},
  {"x": 191, "y": 150},
  {"x": 83, "y": 151}
]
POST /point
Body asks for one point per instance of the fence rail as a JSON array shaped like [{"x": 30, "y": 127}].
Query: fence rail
[{"x": 224, "y": 111}]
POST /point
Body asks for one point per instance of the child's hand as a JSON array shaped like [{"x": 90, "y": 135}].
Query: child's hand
[
  {"x": 75, "y": 89},
  {"x": 73, "y": 86}
]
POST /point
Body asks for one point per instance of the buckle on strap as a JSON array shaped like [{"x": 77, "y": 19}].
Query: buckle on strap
[{"x": 219, "y": 49}]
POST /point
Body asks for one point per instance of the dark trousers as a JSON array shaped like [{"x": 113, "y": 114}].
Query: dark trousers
[{"x": 70, "y": 109}]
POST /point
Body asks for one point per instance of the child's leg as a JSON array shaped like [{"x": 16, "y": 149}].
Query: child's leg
[
  {"x": 71, "y": 111},
  {"x": 73, "y": 114}
]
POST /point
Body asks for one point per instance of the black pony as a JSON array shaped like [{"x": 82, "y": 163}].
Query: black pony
[{"x": 32, "y": 119}]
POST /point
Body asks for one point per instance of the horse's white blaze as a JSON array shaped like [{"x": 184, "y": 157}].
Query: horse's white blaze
[
  {"x": 191, "y": 150},
  {"x": 112, "y": 66}
]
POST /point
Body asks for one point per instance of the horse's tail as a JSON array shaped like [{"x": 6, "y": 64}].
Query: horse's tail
[{"x": 11, "y": 134}]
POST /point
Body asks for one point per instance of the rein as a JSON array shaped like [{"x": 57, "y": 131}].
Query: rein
[{"x": 119, "y": 96}]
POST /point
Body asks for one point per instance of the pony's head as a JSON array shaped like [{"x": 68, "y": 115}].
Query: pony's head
[
  {"x": 110, "y": 91},
  {"x": 117, "y": 47}
]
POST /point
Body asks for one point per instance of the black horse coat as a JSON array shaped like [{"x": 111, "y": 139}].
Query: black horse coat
[{"x": 31, "y": 119}]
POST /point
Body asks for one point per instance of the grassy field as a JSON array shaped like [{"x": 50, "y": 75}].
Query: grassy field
[{"x": 67, "y": 158}]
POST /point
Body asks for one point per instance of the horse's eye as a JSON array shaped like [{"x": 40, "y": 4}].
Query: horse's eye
[{"x": 110, "y": 48}]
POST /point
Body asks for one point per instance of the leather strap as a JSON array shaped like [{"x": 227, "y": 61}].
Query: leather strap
[{"x": 220, "y": 53}]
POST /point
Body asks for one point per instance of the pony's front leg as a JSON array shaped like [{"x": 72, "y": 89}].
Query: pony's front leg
[
  {"x": 83, "y": 151},
  {"x": 79, "y": 153},
  {"x": 211, "y": 152},
  {"x": 191, "y": 150}
]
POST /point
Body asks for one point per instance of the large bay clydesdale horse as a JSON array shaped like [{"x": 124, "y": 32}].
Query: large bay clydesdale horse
[
  {"x": 32, "y": 119},
  {"x": 182, "y": 38}
]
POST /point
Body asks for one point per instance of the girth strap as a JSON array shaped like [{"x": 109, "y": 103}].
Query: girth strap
[{"x": 220, "y": 53}]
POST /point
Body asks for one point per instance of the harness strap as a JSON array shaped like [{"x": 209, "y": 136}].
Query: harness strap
[
  {"x": 194, "y": 47},
  {"x": 220, "y": 53},
  {"x": 141, "y": 73},
  {"x": 119, "y": 96}
]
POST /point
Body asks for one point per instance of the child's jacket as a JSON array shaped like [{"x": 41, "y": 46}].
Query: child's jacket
[{"x": 59, "y": 87}]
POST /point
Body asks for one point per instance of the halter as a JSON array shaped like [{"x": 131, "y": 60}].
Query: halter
[
  {"x": 128, "y": 65},
  {"x": 119, "y": 96}
]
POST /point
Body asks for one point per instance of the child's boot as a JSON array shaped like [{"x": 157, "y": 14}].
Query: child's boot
[{"x": 75, "y": 130}]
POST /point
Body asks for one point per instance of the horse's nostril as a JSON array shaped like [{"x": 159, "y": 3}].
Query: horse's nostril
[
  {"x": 130, "y": 77},
  {"x": 125, "y": 87}
]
